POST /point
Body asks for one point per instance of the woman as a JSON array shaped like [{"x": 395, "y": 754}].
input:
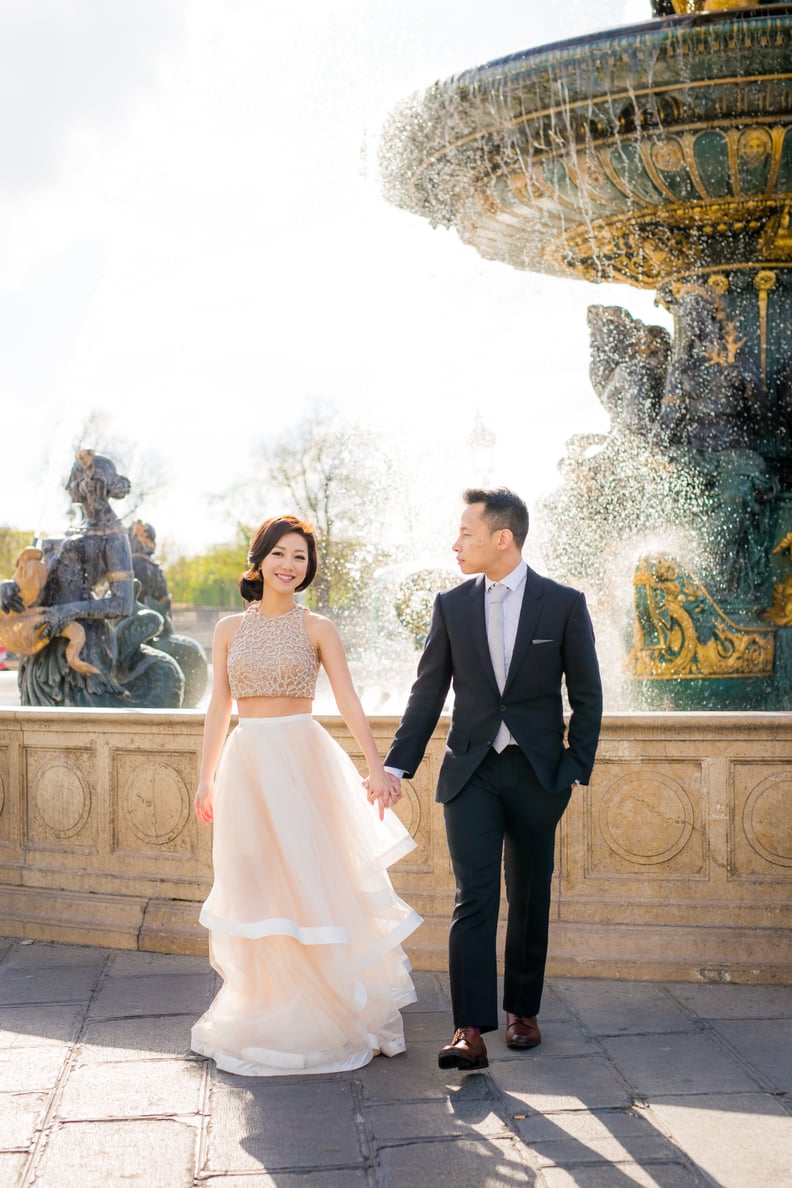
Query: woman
[{"x": 305, "y": 927}]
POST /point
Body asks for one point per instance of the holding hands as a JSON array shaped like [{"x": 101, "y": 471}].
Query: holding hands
[{"x": 384, "y": 788}]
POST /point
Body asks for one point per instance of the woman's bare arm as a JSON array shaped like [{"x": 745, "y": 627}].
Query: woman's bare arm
[{"x": 218, "y": 716}]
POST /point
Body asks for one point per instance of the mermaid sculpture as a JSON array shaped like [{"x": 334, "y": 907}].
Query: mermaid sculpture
[{"x": 87, "y": 640}]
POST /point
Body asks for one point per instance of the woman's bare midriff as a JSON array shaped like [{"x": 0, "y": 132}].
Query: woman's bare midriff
[{"x": 273, "y": 707}]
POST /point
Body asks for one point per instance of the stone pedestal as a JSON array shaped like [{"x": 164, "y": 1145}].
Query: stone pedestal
[{"x": 676, "y": 863}]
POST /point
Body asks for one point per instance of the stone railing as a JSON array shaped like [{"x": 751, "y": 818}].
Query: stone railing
[{"x": 676, "y": 863}]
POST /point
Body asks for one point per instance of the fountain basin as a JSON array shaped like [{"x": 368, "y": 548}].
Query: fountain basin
[
  {"x": 653, "y": 154},
  {"x": 676, "y": 863}
]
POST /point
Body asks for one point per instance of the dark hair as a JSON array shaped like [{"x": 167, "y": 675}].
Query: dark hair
[
  {"x": 502, "y": 509},
  {"x": 265, "y": 538}
]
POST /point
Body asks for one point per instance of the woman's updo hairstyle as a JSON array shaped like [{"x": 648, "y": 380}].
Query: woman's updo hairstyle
[{"x": 265, "y": 538}]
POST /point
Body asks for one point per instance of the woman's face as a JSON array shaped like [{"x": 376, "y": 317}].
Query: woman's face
[{"x": 284, "y": 568}]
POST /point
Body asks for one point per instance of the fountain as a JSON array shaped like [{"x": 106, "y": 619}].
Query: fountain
[
  {"x": 659, "y": 156},
  {"x": 89, "y": 613}
]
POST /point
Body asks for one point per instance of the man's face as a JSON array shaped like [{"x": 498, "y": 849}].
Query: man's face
[{"x": 476, "y": 546}]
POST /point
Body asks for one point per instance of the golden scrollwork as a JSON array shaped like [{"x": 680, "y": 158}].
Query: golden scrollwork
[
  {"x": 627, "y": 248},
  {"x": 764, "y": 281},
  {"x": 780, "y": 612},
  {"x": 684, "y": 6},
  {"x": 681, "y": 633},
  {"x": 647, "y": 249},
  {"x": 776, "y": 242}
]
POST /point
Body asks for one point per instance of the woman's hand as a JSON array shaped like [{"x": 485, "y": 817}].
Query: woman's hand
[
  {"x": 383, "y": 788},
  {"x": 204, "y": 801}
]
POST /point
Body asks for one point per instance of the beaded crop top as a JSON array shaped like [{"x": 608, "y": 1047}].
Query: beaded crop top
[{"x": 272, "y": 657}]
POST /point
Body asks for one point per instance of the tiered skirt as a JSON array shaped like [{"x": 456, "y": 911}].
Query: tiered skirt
[{"x": 306, "y": 929}]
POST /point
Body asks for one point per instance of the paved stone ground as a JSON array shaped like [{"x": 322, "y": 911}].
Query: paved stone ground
[{"x": 636, "y": 1083}]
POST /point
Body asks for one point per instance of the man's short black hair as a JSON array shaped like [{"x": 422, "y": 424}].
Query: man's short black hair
[{"x": 502, "y": 509}]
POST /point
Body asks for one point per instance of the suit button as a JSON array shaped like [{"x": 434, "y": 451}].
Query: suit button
[{"x": 501, "y": 708}]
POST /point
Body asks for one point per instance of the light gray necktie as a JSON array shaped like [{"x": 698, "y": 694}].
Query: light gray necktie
[{"x": 497, "y": 648}]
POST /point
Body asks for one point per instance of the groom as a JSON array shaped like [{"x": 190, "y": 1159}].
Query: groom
[{"x": 506, "y": 639}]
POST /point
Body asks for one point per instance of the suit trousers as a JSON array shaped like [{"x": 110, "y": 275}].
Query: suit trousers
[{"x": 501, "y": 815}]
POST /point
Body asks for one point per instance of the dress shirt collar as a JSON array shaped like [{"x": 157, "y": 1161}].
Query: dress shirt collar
[{"x": 512, "y": 580}]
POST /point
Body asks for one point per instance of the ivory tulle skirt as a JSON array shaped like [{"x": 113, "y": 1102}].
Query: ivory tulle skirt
[{"x": 305, "y": 926}]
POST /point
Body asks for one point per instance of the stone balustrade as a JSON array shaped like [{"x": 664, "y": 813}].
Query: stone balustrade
[{"x": 676, "y": 862}]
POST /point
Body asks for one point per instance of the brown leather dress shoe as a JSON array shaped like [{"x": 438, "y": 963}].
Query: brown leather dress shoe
[
  {"x": 522, "y": 1031},
  {"x": 466, "y": 1051}
]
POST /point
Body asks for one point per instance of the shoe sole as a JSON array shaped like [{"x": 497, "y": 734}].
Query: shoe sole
[{"x": 462, "y": 1062}]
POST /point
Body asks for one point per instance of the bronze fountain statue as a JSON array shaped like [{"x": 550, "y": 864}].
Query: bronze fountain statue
[
  {"x": 658, "y": 156},
  {"x": 71, "y": 614},
  {"x": 153, "y": 594}
]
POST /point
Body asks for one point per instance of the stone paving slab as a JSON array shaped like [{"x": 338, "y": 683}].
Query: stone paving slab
[
  {"x": 31, "y": 955},
  {"x": 49, "y": 983},
  {"x": 144, "y": 1037},
  {"x": 127, "y": 1090},
  {"x": 625, "y": 1175},
  {"x": 24, "y": 1026},
  {"x": 157, "y": 1153},
  {"x": 437, "y": 1119},
  {"x": 616, "y": 1008},
  {"x": 433, "y": 996},
  {"x": 667, "y": 1085},
  {"x": 764, "y": 1045},
  {"x": 26, "y": 1070},
  {"x": 545, "y": 1083},
  {"x": 583, "y": 1125},
  {"x": 734, "y": 1002},
  {"x": 279, "y": 1124},
  {"x": 561, "y": 1037},
  {"x": 610, "y": 1151},
  {"x": 129, "y": 964},
  {"x": 461, "y": 1163},
  {"x": 675, "y": 1063},
  {"x": 343, "y": 1178},
  {"x": 743, "y": 1139},
  {"x": 413, "y": 1076},
  {"x": 20, "y": 1116},
  {"x": 12, "y": 1167},
  {"x": 427, "y": 1027},
  {"x": 156, "y": 994}
]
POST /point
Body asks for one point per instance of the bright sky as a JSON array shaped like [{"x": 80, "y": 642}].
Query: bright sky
[{"x": 193, "y": 241}]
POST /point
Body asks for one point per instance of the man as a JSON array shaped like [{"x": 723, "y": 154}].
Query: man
[{"x": 507, "y": 774}]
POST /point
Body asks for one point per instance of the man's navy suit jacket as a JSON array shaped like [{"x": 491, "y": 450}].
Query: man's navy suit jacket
[{"x": 554, "y": 644}]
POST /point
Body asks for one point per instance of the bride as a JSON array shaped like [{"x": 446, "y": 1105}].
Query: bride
[{"x": 305, "y": 926}]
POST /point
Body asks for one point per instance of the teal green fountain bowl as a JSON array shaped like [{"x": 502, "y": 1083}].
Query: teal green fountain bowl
[{"x": 649, "y": 154}]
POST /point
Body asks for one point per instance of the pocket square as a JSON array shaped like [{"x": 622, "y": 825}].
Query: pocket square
[{"x": 534, "y": 641}]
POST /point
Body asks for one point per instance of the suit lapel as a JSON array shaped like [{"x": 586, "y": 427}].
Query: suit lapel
[
  {"x": 529, "y": 616},
  {"x": 479, "y": 627}
]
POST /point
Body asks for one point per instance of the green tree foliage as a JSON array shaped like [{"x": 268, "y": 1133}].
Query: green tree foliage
[
  {"x": 12, "y": 542},
  {"x": 209, "y": 579}
]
